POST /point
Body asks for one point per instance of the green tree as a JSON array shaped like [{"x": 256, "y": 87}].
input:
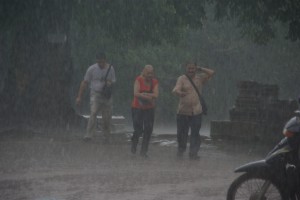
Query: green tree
[
  {"x": 139, "y": 22},
  {"x": 259, "y": 19}
]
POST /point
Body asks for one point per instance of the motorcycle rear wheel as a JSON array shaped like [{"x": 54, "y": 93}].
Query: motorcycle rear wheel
[{"x": 248, "y": 187}]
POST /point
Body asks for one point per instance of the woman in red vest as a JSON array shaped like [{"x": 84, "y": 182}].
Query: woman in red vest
[{"x": 143, "y": 105}]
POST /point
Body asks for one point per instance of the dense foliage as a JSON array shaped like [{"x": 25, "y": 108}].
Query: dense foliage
[
  {"x": 139, "y": 22},
  {"x": 259, "y": 19}
]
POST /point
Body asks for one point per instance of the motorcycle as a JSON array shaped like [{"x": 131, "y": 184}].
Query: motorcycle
[{"x": 276, "y": 176}]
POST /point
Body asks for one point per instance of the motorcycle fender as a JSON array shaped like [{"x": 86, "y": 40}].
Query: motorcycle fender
[{"x": 253, "y": 166}]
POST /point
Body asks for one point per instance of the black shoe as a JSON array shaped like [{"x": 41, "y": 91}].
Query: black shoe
[
  {"x": 87, "y": 138},
  {"x": 144, "y": 155},
  {"x": 133, "y": 149},
  {"x": 179, "y": 155},
  {"x": 194, "y": 157},
  {"x": 106, "y": 141}
]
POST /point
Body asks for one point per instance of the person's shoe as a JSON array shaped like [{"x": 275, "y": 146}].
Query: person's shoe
[
  {"x": 133, "y": 149},
  {"x": 179, "y": 155},
  {"x": 194, "y": 157},
  {"x": 87, "y": 138},
  {"x": 106, "y": 140},
  {"x": 144, "y": 155}
]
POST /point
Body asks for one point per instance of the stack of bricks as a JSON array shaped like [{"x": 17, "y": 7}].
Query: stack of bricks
[{"x": 257, "y": 114}]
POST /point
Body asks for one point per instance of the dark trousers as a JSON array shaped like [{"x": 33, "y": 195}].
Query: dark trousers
[
  {"x": 184, "y": 122},
  {"x": 143, "y": 126}
]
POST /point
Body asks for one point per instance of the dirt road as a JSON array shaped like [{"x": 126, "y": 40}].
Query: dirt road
[{"x": 35, "y": 166}]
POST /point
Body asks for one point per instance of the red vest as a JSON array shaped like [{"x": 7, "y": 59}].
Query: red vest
[{"x": 142, "y": 104}]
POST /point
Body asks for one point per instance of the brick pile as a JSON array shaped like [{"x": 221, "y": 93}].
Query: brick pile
[{"x": 257, "y": 114}]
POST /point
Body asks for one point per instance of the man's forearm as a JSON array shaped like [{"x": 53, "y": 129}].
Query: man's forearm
[
  {"x": 178, "y": 93},
  {"x": 207, "y": 71},
  {"x": 82, "y": 88}
]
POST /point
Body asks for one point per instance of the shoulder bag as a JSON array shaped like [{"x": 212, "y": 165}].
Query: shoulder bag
[{"x": 107, "y": 89}]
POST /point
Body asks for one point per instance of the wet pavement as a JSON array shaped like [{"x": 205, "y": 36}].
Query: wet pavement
[{"x": 60, "y": 166}]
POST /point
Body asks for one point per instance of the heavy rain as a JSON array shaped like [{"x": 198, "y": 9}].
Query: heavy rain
[{"x": 246, "y": 59}]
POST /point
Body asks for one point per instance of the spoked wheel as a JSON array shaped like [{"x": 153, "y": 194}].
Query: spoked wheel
[{"x": 254, "y": 187}]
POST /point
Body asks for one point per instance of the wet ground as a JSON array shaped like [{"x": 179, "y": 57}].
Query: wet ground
[{"x": 60, "y": 166}]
